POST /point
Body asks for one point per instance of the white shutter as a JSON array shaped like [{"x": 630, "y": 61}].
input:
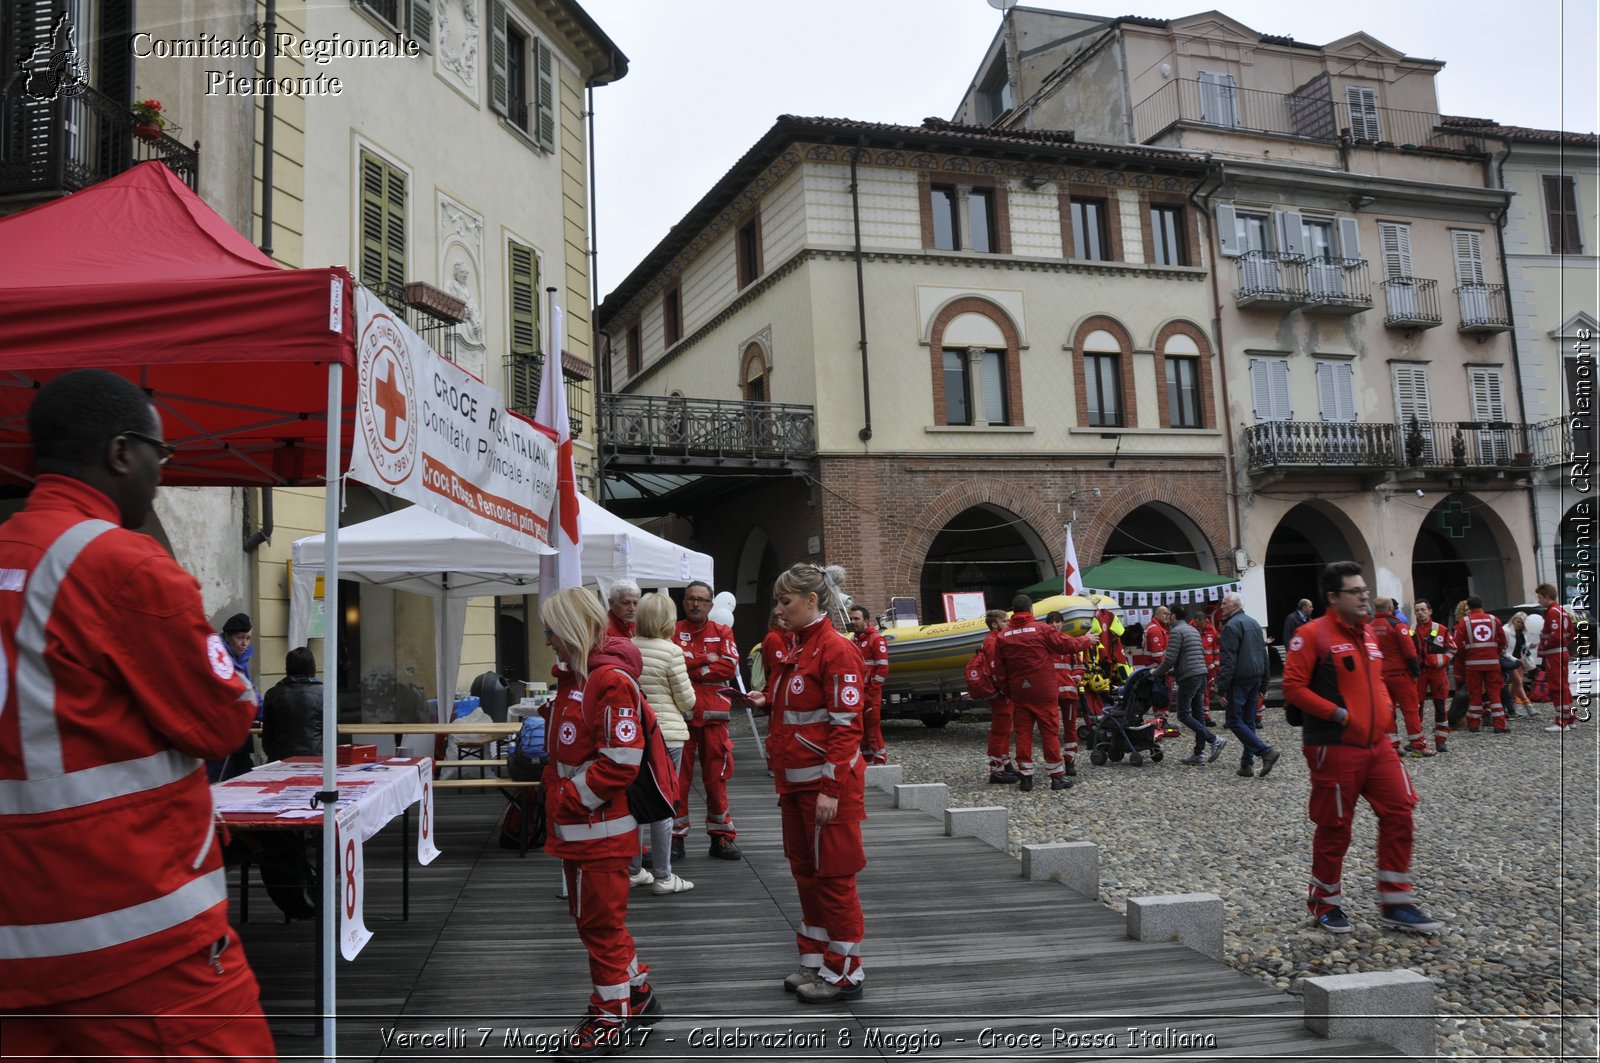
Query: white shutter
[
  {"x": 1394, "y": 239},
  {"x": 1228, "y": 230},
  {"x": 1411, "y": 394},
  {"x": 1488, "y": 404},
  {"x": 1363, "y": 104},
  {"x": 1349, "y": 238},
  {"x": 1468, "y": 247},
  {"x": 1291, "y": 237},
  {"x": 1336, "y": 391},
  {"x": 1269, "y": 389},
  {"x": 1218, "y": 99}
]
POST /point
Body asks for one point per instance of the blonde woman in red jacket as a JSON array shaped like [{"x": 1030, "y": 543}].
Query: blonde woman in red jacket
[
  {"x": 596, "y": 747},
  {"x": 814, "y": 749}
]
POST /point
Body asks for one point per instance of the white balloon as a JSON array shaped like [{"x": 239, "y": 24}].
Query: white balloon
[
  {"x": 722, "y": 607},
  {"x": 1535, "y": 625}
]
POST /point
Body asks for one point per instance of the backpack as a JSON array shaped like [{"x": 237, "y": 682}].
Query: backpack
[
  {"x": 980, "y": 682},
  {"x": 653, "y": 793},
  {"x": 525, "y": 759},
  {"x": 514, "y": 831}
]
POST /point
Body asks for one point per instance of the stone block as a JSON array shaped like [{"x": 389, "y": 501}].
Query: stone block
[
  {"x": 1394, "y": 1007},
  {"x": 1075, "y": 864},
  {"x": 930, "y": 797},
  {"x": 1193, "y": 919},
  {"x": 987, "y": 824},
  {"x": 884, "y": 776}
]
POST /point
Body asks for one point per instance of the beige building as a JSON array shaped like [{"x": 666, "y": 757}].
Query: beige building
[
  {"x": 1370, "y": 380},
  {"x": 939, "y": 345}
]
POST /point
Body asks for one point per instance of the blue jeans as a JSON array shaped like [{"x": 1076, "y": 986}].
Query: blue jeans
[
  {"x": 1242, "y": 698},
  {"x": 1191, "y": 707}
]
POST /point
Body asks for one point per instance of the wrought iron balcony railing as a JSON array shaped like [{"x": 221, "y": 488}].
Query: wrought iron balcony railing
[
  {"x": 1556, "y": 442},
  {"x": 1338, "y": 285},
  {"x": 439, "y": 332},
  {"x": 715, "y": 427},
  {"x": 1334, "y": 446},
  {"x": 1271, "y": 278},
  {"x": 67, "y": 144},
  {"x": 1311, "y": 113},
  {"x": 1412, "y": 303},
  {"x": 1483, "y": 308},
  {"x": 1429, "y": 445}
]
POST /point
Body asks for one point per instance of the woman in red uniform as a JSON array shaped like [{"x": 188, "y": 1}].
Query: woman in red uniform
[
  {"x": 596, "y": 747},
  {"x": 814, "y": 746}
]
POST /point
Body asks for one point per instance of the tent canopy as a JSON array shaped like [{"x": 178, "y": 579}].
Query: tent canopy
[
  {"x": 1132, "y": 574},
  {"x": 414, "y": 550},
  {"x": 140, "y": 276}
]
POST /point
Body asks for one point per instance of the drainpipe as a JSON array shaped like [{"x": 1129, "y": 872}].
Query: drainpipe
[
  {"x": 861, "y": 294},
  {"x": 1499, "y": 181},
  {"x": 268, "y": 112},
  {"x": 1202, "y": 205},
  {"x": 262, "y": 534},
  {"x": 594, "y": 231}
]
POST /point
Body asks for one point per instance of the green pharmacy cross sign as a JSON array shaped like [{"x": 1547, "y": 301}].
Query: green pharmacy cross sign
[{"x": 1455, "y": 519}]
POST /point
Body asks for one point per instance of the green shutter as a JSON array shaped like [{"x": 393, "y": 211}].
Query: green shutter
[
  {"x": 545, "y": 66},
  {"x": 523, "y": 366},
  {"x": 422, "y": 23},
  {"x": 383, "y": 225},
  {"x": 497, "y": 57}
]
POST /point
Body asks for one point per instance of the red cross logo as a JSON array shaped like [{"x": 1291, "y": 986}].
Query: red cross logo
[
  {"x": 391, "y": 400},
  {"x": 386, "y": 399}
]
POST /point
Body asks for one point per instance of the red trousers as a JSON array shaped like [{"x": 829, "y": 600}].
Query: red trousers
[
  {"x": 1048, "y": 718},
  {"x": 1483, "y": 688},
  {"x": 1434, "y": 683},
  {"x": 205, "y": 1006},
  {"x": 873, "y": 750},
  {"x": 1000, "y": 729},
  {"x": 597, "y": 897},
  {"x": 715, "y": 749},
  {"x": 825, "y": 862},
  {"x": 1069, "y": 732},
  {"x": 1559, "y": 684},
  {"x": 1339, "y": 775},
  {"x": 1403, "y": 689}
]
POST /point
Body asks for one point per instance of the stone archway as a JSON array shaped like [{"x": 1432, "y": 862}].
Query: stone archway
[
  {"x": 1157, "y": 531},
  {"x": 1461, "y": 549},
  {"x": 1308, "y": 537},
  {"x": 986, "y": 549}
]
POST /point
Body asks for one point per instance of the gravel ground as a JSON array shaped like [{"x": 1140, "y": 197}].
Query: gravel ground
[{"x": 1505, "y": 856}]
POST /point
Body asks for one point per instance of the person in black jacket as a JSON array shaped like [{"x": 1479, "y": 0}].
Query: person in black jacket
[
  {"x": 1241, "y": 678},
  {"x": 291, "y": 723}
]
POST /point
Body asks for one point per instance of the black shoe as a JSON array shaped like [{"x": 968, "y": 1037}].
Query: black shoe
[
  {"x": 643, "y": 1007},
  {"x": 1060, "y": 782},
  {"x": 1026, "y": 784},
  {"x": 1268, "y": 759},
  {"x": 1005, "y": 776},
  {"x": 1072, "y": 769},
  {"x": 722, "y": 848},
  {"x": 597, "y": 1035}
]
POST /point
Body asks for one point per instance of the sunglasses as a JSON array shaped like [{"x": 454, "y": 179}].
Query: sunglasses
[{"x": 167, "y": 449}]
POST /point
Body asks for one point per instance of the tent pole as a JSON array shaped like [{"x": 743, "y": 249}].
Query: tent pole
[{"x": 329, "y": 908}]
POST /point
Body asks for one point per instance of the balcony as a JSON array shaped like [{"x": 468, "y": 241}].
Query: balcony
[
  {"x": 1556, "y": 443},
  {"x": 431, "y": 313},
  {"x": 1476, "y": 446},
  {"x": 1337, "y": 286},
  {"x": 1322, "y": 446},
  {"x": 1376, "y": 450},
  {"x": 1270, "y": 279},
  {"x": 1483, "y": 308},
  {"x": 65, "y": 145},
  {"x": 741, "y": 434},
  {"x": 1412, "y": 303},
  {"x": 1310, "y": 112}
]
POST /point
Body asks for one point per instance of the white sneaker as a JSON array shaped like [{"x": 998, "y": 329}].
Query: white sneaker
[
  {"x": 675, "y": 884},
  {"x": 1553, "y": 728},
  {"x": 641, "y": 877}
]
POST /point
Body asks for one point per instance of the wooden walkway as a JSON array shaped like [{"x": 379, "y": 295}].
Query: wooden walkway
[{"x": 964, "y": 959}]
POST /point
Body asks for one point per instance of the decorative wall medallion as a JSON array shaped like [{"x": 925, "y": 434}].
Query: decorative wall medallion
[{"x": 457, "y": 30}]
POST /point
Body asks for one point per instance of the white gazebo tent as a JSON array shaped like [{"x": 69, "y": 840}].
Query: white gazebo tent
[{"x": 415, "y": 550}]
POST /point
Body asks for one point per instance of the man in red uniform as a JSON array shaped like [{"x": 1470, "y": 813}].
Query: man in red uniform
[
  {"x": 114, "y": 937},
  {"x": 1156, "y": 636},
  {"x": 1482, "y": 641},
  {"x": 875, "y": 658},
  {"x": 1435, "y": 647},
  {"x": 712, "y": 657},
  {"x": 1026, "y": 655},
  {"x": 1205, "y": 624},
  {"x": 1334, "y": 678},
  {"x": 1002, "y": 770},
  {"x": 622, "y": 605},
  {"x": 1401, "y": 670},
  {"x": 1555, "y": 641}
]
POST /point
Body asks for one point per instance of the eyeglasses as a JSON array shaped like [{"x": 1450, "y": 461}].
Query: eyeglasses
[
  {"x": 697, "y": 601},
  {"x": 167, "y": 449},
  {"x": 1358, "y": 591}
]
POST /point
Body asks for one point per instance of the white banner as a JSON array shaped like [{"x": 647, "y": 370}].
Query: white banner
[
  {"x": 426, "y": 851},
  {"x": 353, "y": 932},
  {"x": 429, "y": 431}
]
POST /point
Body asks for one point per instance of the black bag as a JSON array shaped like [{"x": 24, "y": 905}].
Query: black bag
[
  {"x": 1460, "y": 703},
  {"x": 525, "y": 759},
  {"x": 654, "y": 791},
  {"x": 1293, "y": 715},
  {"x": 512, "y": 826}
]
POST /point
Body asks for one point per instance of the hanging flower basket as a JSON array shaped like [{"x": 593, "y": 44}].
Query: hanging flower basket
[
  {"x": 148, "y": 121},
  {"x": 147, "y": 131}
]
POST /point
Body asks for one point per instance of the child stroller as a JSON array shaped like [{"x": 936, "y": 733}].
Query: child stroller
[{"x": 1122, "y": 730}]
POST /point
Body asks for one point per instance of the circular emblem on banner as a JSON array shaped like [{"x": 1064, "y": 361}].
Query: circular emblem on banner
[
  {"x": 627, "y": 730},
  {"x": 386, "y": 404},
  {"x": 568, "y": 733},
  {"x": 850, "y": 696},
  {"x": 797, "y": 685},
  {"x": 221, "y": 660},
  {"x": 1295, "y": 643}
]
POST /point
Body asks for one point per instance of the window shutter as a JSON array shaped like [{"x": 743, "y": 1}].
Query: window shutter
[
  {"x": 524, "y": 270},
  {"x": 1561, "y": 212},
  {"x": 1228, "y": 229},
  {"x": 1217, "y": 99},
  {"x": 1488, "y": 404},
  {"x": 1363, "y": 104},
  {"x": 1411, "y": 394},
  {"x": 1469, "y": 256},
  {"x": 394, "y": 229},
  {"x": 994, "y": 387},
  {"x": 421, "y": 23},
  {"x": 1395, "y": 241},
  {"x": 1349, "y": 238},
  {"x": 1336, "y": 391},
  {"x": 498, "y": 82},
  {"x": 545, "y": 66},
  {"x": 1291, "y": 233},
  {"x": 383, "y": 225},
  {"x": 1269, "y": 389}
]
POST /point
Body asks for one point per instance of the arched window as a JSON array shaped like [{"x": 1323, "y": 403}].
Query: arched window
[
  {"x": 1105, "y": 374},
  {"x": 976, "y": 377},
  {"x": 1183, "y": 371},
  {"x": 755, "y": 375}
]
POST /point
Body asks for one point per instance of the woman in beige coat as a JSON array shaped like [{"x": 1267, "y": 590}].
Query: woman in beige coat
[{"x": 665, "y": 683}]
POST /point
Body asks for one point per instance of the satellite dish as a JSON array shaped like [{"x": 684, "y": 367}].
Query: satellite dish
[{"x": 1002, "y": 5}]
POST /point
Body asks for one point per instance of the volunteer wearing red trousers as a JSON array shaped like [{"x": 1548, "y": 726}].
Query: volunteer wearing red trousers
[
  {"x": 875, "y": 656},
  {"x": 114, "y": 936},
  {"x": 1334, "y": 678},
  {"x": 814, "y": 749},
  {"x": 1555, "y": 642},
  {"x": 1070, "y": 672},
  {"x": 980, "y": 675},
  {"x": 1482, "y": 643},
  {"x": 597, "y": 746},
  {"x": 1157, "y": 634},
  {"x": 1435, "y": 647},
  {"x": 712, "y": 657},
  {"x": 1026, "y": 654},
  {"x": 1401, "y": 669}
]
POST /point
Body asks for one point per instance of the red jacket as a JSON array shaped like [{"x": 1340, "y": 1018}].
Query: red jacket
[
  {"x": 874, "y": 651},
  {"x": 1209, "y": 645},
  {"x": 596, "y": 748},
  {"x": 1026, "y": 655},
  {"x": 115, "y": 688},
  {"x": 1331, "y": 666},
  {"x": 1394, "y": 640},
  {"x": 1155, "y": 641},
  {"x": 814, "y": 739},
  {"x": 1482, "y": 640},
  {"x": 1434, "y": 646},
  {"x": 774, "y": 651},
  {"x": 712, "y": 658},
  {"x": 1556, "y": 636},
  {"x": 618, "y": 628}
]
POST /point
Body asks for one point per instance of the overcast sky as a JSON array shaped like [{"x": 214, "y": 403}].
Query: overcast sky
[{"x": 708, "y": 77}]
